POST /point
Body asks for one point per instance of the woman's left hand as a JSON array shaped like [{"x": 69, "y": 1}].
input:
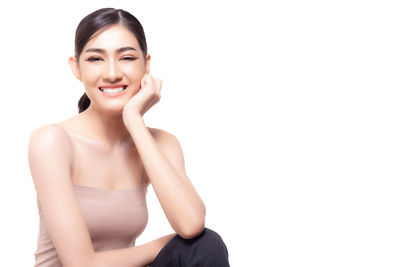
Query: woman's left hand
[{"x": 147, "y": 96}]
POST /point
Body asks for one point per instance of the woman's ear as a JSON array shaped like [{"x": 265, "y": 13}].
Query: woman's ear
[
  {"x": 75, "y": 67},
  {"x": 148, "y": 63}
]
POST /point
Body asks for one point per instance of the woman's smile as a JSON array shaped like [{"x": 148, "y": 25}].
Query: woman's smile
[{"x": 113, "y": 92}]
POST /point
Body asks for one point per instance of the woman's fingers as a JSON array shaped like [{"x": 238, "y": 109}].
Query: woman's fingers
[{"x": 155, "y": 84}]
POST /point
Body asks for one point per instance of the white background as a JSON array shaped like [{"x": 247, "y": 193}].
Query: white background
[{"x": 287, "y": 113}]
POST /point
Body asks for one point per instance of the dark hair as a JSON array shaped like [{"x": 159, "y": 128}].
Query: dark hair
[{"x": 97, "y": 20}]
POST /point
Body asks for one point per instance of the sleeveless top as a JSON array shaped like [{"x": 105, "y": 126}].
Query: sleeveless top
[{"x": 115, "y": 218}]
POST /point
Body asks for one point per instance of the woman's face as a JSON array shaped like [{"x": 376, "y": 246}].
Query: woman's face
[{"x": 111, "y": 58}]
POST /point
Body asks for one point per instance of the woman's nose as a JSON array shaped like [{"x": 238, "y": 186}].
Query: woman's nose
[{"x": 112, "y": 71}]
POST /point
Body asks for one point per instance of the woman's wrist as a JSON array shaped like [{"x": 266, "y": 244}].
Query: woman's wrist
[{"x": 135, "y": 120}]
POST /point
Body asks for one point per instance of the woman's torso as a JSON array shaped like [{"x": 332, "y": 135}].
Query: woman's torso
[{"x": 111, "y": 191}]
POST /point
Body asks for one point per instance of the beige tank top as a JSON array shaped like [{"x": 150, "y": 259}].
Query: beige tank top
[{"x": 115, "y": 218}]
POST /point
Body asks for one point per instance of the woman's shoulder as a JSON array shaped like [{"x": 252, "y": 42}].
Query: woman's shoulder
[
  {"x": 49, "y": 143},
  {"x": 70, "y": 128},
  {"x": 159, "y": 133},
  {"x": 166, "y": 139},
  {"x": 55, "y": 128},
  {"x": 49, "y": 135},
  {"x": 49, "y": 131}
]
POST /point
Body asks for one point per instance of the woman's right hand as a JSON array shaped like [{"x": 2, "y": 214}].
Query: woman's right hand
[{"x": 147, "y": 96}]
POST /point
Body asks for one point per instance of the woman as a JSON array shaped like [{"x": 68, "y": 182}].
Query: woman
[{"x": 91, "y": 171}]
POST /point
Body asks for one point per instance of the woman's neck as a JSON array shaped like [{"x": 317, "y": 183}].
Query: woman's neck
[{"x": 106, "y": 127}]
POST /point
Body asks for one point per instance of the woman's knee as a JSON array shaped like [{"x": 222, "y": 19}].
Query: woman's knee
[
  {"x": 206, "y": 249},
  {"x": 210, "y": 236},
  {"x": 210, "y": 249},
  {"x": 210, "y": 242}
]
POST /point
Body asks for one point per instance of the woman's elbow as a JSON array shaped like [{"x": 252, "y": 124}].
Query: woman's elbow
[{"x": 194, "y": 229}]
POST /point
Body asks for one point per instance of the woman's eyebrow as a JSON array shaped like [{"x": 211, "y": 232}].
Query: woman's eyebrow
[{"x": 102, "y": 51}]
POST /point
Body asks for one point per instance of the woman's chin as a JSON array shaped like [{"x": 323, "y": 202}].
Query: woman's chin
[{"x": 113, "y": 108}]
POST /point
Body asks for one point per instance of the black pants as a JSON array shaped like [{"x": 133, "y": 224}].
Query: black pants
[{"x": 207, "y": 249}]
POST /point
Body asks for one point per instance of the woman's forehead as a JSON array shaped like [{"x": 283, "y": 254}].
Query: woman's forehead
[{"x": 113, "y": 37}]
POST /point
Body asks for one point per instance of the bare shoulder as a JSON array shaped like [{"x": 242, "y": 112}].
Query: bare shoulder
[
  {"x": 162, "y": 135},
  {"x": 49, "y": 137},
  {"x": 170, "y": 145},
  {"x": 49, "y": 134},
  {"x": 155, "y": 131}
]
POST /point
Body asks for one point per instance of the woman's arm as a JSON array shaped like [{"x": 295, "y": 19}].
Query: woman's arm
[
  {"x": 50, "y": 160},
  {"x": 163, "y": 161}
]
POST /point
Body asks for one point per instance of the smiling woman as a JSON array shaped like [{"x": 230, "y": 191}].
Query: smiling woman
[
  {"x": 92, "y": 180},
  {"x": 113, "y": 50}
]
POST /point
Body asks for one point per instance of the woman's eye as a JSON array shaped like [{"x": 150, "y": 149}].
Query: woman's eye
[
  {"x": 97, "y": 58},
  {"x": 130, "y": 58},
  {"x": 93, "y": 59}
]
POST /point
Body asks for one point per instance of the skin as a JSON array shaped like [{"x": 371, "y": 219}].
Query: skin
[{"x": 111, "y": 135}]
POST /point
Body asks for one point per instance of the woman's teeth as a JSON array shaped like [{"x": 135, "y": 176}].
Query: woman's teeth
[{"x": 108, "y": 90}]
